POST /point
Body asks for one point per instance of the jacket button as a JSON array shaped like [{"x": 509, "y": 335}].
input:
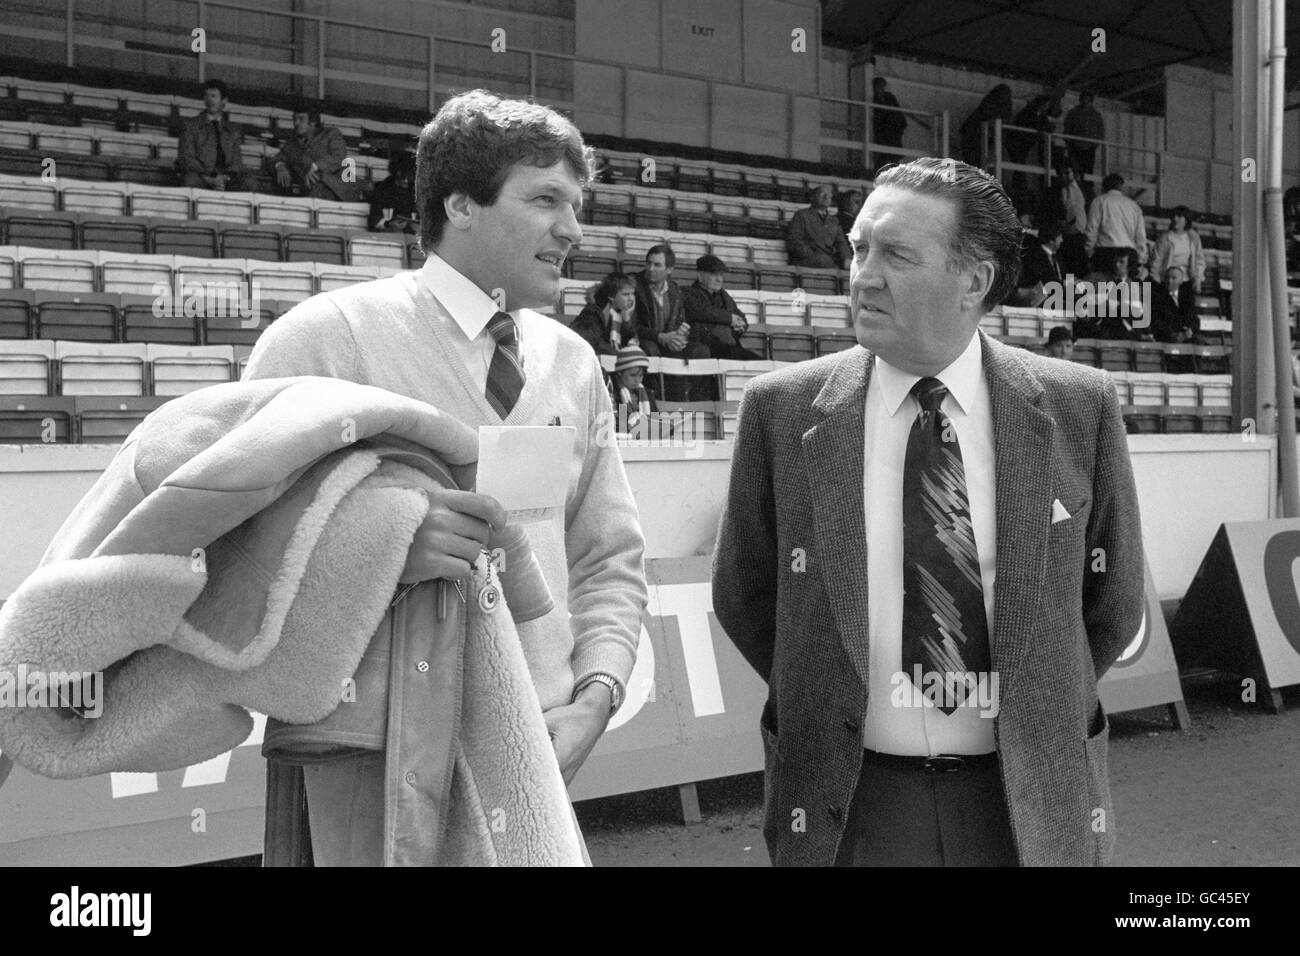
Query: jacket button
[
  {"x": 422, "y": 666},
  {"x": 835, "y": 813},
  {"x": 410, "y": 777},
  {"x": 850, "y": 725}
]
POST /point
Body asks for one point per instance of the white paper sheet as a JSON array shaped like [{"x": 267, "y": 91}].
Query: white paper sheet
[{"x": 526, "y": 468}]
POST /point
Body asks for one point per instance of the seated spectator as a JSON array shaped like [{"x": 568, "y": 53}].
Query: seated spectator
[
  {"x": 208, "y": 155},
  {"x": 660, "y": 315},
  {"x": 1040, "y": 270},
  {"x": 632, "y": 403},
  {"x": 311, "y": 162},
  {"x": 1173, "y": 308},
  {"x": 1060, "y": 342},
  {"x": 712, "y": 313},
  {"x": 609, "y": 322},
  {"x": 604, "y": 172},
  {"x": 1110, "y": 308},
  {"x": 392, "y": 204},
  {"x": 814, "y": 237},
  {"x": 847, "y": 209},
  {"x": 1180, "y": 246}
]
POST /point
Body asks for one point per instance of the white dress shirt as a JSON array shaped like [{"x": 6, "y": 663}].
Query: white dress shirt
[
  {"x": 890, "y": 412},
  {"x": 466, "y": 311}
]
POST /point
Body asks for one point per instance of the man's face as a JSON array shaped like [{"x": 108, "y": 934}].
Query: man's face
[
  {"x": 656, "y": 267},
  {"x": 522, "y": 239},
  {"x": 213, "y": 101},
  {"x": 712, "y": 281},
  {"x": 1062, "y": 349},
  {"x": 1055, "y": 244},
  {"x": 1174, "y": 278},
  {"x": 1119, "y": 269},
  {"x": 905, "y": 302},
  {"x": 852, "y": 203},
  {"x": 630, "y": 378},
  {"x": 822, "y": 198},
  {"x": 301, "y": 123}
]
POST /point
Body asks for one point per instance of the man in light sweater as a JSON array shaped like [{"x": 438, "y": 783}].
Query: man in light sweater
[
  {"x": 1115, "y": 226},
  {"x": 498, "y": 188}
]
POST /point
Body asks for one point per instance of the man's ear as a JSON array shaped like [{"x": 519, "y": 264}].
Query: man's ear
[
  {"x": 461, "y": 210},
  {"x": 981, "y": 281}
]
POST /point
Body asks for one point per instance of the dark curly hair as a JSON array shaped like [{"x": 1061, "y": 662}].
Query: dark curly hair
[
  {"x": 610, "y": 286},
  {"x": 474, "y": 140}
]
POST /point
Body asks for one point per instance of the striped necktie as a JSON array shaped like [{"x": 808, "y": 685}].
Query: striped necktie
[
  {"x": 505, "y": 378},
  {"x": 944, "y": 626}
]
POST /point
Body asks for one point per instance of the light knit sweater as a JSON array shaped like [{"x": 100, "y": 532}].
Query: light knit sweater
[{"x": 387, "y": 333}]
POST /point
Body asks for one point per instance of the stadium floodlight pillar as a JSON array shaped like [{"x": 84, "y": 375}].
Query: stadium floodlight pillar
[
  {"x": 1253, "y": 389},
  {"x": 1275, "y": 231}
]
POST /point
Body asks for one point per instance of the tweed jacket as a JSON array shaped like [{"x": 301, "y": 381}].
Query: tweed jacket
[
  {"x": 797, "y": 482},
  {"x": 197, "y": 151},
  {"x": 241, "y": 552}
]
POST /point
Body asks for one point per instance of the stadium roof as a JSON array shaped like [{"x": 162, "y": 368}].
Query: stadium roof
[{"x": 1045, "y": 39}]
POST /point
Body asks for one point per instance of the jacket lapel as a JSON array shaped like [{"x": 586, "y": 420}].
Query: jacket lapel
[
  {"x": 833, "y": 450},
  {"x": 1022, "y": 435}
]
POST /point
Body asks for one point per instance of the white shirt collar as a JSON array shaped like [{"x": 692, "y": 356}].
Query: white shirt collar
[
  {"x": 469, "y": 306},
  {"x": 961, "y": 377}
]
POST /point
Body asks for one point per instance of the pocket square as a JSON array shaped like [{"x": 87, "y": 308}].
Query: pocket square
[{"x": 1058, "y": 511}]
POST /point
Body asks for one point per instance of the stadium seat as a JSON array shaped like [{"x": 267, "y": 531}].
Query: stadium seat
[
  {"x": 105, "y": 199},
  {"x": 241, "y": 331},
  {"x": 183, "y": 239},
  {"x": 688, "y": 249},
  {"x": 58, "y": 270},
  {"x": 790, "y": 346},
  {"x": 755, "y": 338},
  {"x": 178, "y": 369},
  {"x": 263, "y": 243},
  {"x": 125, "y": 145},
  {"x": 791, "y": 188},
  {"x": 109, "y": 420},
  {"x": 1115, "y": 355},
  {"x": 693, "y": 178},
  {"x": 314, "y": 247},
  {"x": 17, "y": 313},
  {"x": 691, "y": 214},
  {"x": 1216, "y": 421},
  {"x": 1148, "y": 356},
  {"x": 139, "y": 322},
  {"x": 330, "y": 277},
  {"x": 25, "y": 367},
  {"x": 829, "y": 312},
  {"x": 1178, "y": 359},
  {"x": 691, "y": 421},
  {"x": 785, "y": 310},
  {"x": 115, "y": 235},
  {"x": 1141, "y": 422},
  {"x": 1212, "y": 360},
  {"x": 775, "y": 278},
  {"x": 88, "y": 368},
  {"x": 592, "y": 267},
  {"x": 161, "y": 203},
  {"x": 294, "y": 282},
  {"x": 652, "y": 211},
  {"x": 573, "y": 299},
  {"x": 1148, "y": 390},
  {"x": 818, "y": 281},
  {"x": 138, "y": 275},
  {"x": 232, "y": 207},
  {"x": 36, "y": 420},
  {"x": 385, "y": 254},
  {"x": 136, "y": 172},
  {"x": 83, "y": 317},
  {"x": 729, "y": 218},
  {"x": 29, "y": 193},
  {"x": 72, "y": 140},
  {"x": 331, "y": 214},
  {"x": 831, "y": 340},
  {"x": 728, "y": 181},
  {"x": 728, "y": 417},
  {"x": 765, "y": 221},
  {"x": 610, "y": 206},
  {"x": 1178, "y": 421},
  {"x": 16, "y": 136},
  {"x": 47, "y": 230}
]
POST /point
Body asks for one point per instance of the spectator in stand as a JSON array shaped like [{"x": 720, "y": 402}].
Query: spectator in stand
[
  {"x": 1065, "y": 204},
  {"x": 660, "y": 316},
  {"x": 1040, "y": 115},
  {"x": 714, "y": 317},
  {"x": 604, "y": 171},
  {"x": 1084, "y": 120},
  {"x": 1173, "y": 308},
  {"x": 1115, "y": 223},
  {"x": 1060, "y": 343},
  {"x": 996, "y": 104},
  {"x": 1110, "y": 309},
  {"x": 392, "y": 204},
  {"x": 814, "y": 238},
  {"x": 847, "y": 208},
  {"x": 632, "y": 402},
  {"x": 313, "y": 160},
  {"x": 208, "y": 153},
  {"x": 887, "y": 126},
  {"x": 1040, "y": 270},
  {"x": 1181, "y": 246},
  {"x": 609, "y": 322}
]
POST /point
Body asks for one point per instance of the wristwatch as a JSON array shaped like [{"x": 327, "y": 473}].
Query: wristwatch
[{"x": 615, "y": 689}]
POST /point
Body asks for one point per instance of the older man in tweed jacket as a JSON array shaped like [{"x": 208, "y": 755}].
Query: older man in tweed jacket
[{"x": 931, "y": 551}]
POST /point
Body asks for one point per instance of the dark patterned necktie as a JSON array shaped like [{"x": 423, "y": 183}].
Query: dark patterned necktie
[
  {"x": 505, "y": 378},
  {"x": 944, "y": 627},
  {"x": 221, "y": 153}
]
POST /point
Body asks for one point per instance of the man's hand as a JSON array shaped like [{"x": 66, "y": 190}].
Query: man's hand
[
  {"x": 576, "y": 727},
  {"x": 738, "y": 323},
  {"x": 312, "y": 175},
  {"x": 282, "y": 177},
  {"x": 456, "y": 528}
]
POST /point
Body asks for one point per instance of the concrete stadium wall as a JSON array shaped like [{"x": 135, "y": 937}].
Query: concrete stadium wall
[{"x": 1187, "y": 486}]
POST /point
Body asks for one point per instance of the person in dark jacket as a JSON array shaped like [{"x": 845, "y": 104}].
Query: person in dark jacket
[
  {"x": 208, "y": 154},
  {"x": 660, "y": 317},
  {"x": 608, "y": 323},
  {"x": 995, "y": 105},
  {"x": 814, "y": 237},
  {"x": 392, "y": 203},
  {"x": 1173, "y": 308},
  {"x": 712, "y": 313},
  {"x": 313, "y": 160}
]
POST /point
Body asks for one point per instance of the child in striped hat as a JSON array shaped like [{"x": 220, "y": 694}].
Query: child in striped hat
[{"x": 631, "y": 400}]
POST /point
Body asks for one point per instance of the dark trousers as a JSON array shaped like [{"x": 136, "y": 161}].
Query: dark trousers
[{"x": 907, "y": 816}]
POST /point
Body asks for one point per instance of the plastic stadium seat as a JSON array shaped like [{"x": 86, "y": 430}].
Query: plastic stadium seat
[
  {"x": 791, "y": 188},
  {"x": 994, "y": 323},
  {"x": 755, "y": 339},
  {"x": 652, "y": 211},
  {"x": 160, "y": 203},
  {"x": 1215, "y": 421},
  {"x": 829, "y": 340},
  {"x": 49, "y": 230},
  {"x": 285, "y": 212},
  {"x": 610, "y": 206},
  {"x": 330, "y": 277},
  {"x": 222, "y": 207},
  {"x": 601, "y": 241},
  {"x": 115, "y": 235},
  {"x": 140, "y": 323},
  {"x": 1212, "y": 360},
  {"x": 829, "y": 312},
  {"x": 728, "y": 182},
  {"x": 138, "y": 275},
  {"x": 109, "y": 420},
  {"x": 1021, "y": 321},
  {"x": 775, "y": 278},
  {"x": 59, "y": 270},
  {"x": 748, "y": 301},
  {"x": 264, "y": 243},
  {"x": 573, "y": 299},
  {"x": 340, "y": 215},
  {"x": 693, "y": 177},
  {"x": 125, "y": 145},
  {"x": 242, "y": 331},
  {"x": 10, "y": 271},
  {"x": 760, "y": 186},
  {"x": 787, "y": 346},
  {"x": 16, "y": 136},
  {"x": 1176, "y": 421},
  {"x": 314, "y": 247},
  {"x": 177, "y": 369},
  {"x": 819, "y": 281},
  {"x": 17, "y": 313},
  {"x": 29, "y": 193},
  {"x": 34, "y": 419},
  {"x": 1148, "y": 357},
  {"x": 689, "y": 420},
  {"x": 1216, "y": 391},
  {"x": 105, "y": 199},
  {"x": 72, "y": 140},
  {"x": 688, "y": 249},
  {"x": 166, "y": 150},
  {"x": 731, "y": 251},
  {"x": 729, "y": 218},
  {"x": 389, "y": 256},
  {"x": 84, "y": 167},
  {"x": 691, "y": 215},
  {"x": 183, "y": 239},
  {"x": 25, "y": 367},
  {"x": 88, "y": 317},
  {"x": 1086, "y": 352},
  {"x": 1115, "y": 355},
  {"x": 592, "y": 267},
  {"x": 89, "y": 368},
  {"x": 1141, "y": 422},
  {"x": 768, "y": 252},
  {"x": 294, "y": 282},
  {"x": 146, "y": 174}
]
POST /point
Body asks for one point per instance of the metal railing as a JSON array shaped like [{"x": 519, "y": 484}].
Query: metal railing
[{"x": 993, "y": 156}]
